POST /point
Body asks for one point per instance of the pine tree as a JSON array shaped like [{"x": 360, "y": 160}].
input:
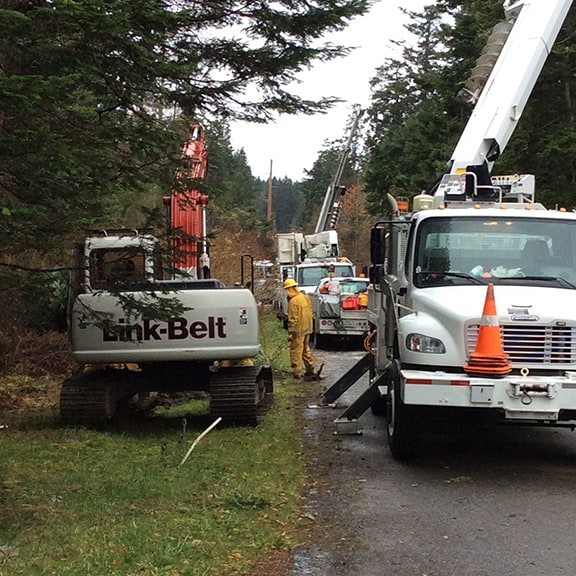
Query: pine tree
[
  {"x": 410, "y": 132},
  {"x": 89, "y": 92},
  {"x": 287, "y": 204}
]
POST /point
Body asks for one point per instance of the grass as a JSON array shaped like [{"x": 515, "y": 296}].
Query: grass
[{"x": 76, "y": 501}]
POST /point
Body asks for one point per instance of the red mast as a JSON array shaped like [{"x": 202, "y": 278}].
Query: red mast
[{"x": 187, "y": 212}]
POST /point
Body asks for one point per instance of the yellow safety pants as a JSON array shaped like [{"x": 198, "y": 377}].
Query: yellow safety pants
[{"x": 300, "y": 353}]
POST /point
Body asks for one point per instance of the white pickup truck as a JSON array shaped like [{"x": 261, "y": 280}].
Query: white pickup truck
[
  {"x": 307, "y": 274},
  {"x": 339, "y": 307}
]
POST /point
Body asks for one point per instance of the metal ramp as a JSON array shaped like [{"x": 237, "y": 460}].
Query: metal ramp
[{"x": 347, "y": 422}]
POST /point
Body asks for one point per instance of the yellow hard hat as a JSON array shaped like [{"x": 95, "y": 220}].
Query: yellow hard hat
[{"x": 290, "y": 283}]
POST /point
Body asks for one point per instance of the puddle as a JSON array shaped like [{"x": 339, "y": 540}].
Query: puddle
[{"x": 311, "y": 562}]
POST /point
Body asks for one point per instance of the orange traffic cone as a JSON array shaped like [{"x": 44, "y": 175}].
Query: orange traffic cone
[{"x": 489, "y": 356}]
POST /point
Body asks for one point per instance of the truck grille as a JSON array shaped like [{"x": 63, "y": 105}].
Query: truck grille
[{"x": 532, "y": 344}]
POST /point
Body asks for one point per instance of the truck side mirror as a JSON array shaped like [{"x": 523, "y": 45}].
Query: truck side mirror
[
  {"x": 377, "y": 245},
  {"x": 375, "y": 275}
]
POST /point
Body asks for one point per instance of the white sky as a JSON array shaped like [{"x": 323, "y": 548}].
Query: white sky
[{"x": 292, "y": 143}]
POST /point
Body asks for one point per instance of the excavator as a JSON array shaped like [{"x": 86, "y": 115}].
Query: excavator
[{"x": 139, "y": 326}]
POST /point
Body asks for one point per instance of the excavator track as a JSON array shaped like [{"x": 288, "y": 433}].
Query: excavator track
[
  {"x": 90, "y": 398},
  {"x": 241, "y": 395}
]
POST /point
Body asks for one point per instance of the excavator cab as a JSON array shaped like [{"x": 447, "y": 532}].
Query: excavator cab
[{"x": 117, "y": 267}]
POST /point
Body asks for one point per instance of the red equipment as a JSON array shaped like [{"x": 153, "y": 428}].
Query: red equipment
[{"x": 186, "y": 212}]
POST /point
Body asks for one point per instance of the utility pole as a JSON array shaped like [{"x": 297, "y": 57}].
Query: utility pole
[{"x": 269, "y": 211}]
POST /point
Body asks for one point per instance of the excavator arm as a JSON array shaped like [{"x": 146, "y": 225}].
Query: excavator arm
[{"x": 187, "y": 214}]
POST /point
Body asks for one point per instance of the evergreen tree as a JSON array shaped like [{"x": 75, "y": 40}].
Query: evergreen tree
[
  {"x": 229, "y": 179},
  {"x": 316, "y": 183},
  {"x": 287, "y": 204},
  {"x": 411, "y": 133},
  {"x": 87, "y": 90}
]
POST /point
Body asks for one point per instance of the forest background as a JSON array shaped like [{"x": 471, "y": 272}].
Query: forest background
[{"x": 96, "y": 100}]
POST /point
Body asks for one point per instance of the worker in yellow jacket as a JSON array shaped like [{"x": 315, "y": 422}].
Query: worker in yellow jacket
[{"x": 299, "y": 330}]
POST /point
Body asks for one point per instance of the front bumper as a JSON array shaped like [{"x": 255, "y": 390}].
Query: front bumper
[{"x": 519, "y": 398}]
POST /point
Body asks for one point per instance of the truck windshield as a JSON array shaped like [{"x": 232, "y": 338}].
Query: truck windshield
[
  {"x": 505, "y": 249},
  {"x": 353, "y": 286},
  {"x": 311, "y": 275}
]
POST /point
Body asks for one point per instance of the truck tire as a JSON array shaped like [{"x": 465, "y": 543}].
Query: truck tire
[
  {"x": 315, "y": 339},
  {"x": 401, "y": 422},
  {"x": 379, "y": 406}
]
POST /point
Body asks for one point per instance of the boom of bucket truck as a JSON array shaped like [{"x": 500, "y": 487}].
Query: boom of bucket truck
[
  {"x": 331, "y": 206},
  {"x": 136, "y": 329},
  {"x": 470, "y": 301},
  {"x": 310, "y": 257}
]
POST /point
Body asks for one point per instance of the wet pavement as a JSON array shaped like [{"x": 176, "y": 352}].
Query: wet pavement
[{"x": 481, "y": 500}]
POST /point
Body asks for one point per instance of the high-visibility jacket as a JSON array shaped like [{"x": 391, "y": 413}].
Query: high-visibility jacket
[{"x": 299, "y": 314}]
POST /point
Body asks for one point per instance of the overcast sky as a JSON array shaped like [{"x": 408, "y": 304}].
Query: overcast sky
[{"x": 292, "y": 143}]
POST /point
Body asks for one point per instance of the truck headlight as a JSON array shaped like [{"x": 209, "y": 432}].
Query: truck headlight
[{"x": 423, "y": 343}]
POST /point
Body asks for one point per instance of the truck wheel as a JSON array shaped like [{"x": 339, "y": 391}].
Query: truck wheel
[
  {"x": 379, "y": 406},
  {"x": 314, "y": 337},
  {"x": 402, "y": 425},
  {"x": 317, "y": 341}
]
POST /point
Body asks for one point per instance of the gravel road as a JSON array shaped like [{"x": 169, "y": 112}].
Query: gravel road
[{"x": 479, "y": 501}]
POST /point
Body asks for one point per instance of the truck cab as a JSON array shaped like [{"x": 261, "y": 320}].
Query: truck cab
[
  {"x": 428, "y": 300},
  {"x": 308, "y": 274},
  {"x": 450, "y": 257}
]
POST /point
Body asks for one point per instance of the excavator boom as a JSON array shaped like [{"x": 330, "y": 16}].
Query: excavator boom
[{"x": 186, "y": 211}]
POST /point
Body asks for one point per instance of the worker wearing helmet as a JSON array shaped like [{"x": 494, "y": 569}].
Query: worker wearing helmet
[{"x": 299, "y": 330}]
